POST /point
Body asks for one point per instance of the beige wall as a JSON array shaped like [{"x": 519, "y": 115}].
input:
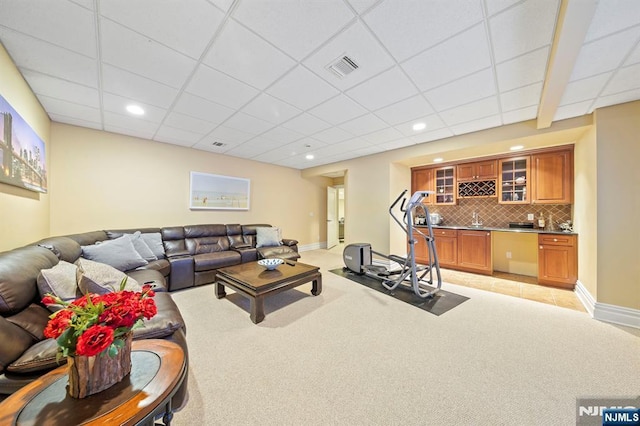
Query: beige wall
[
  {"x": 103, "y": 180},
  {"x": 24, "y": 215},
  {"x": 585, "y": 209},
  {"x": 618, "y": 204}
]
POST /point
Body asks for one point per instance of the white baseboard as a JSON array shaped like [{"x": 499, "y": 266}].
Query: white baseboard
[
  {"x": 585, "y": 297},
  {"x": 313, "y": 246},
  {"x": 609, "y": 313}
]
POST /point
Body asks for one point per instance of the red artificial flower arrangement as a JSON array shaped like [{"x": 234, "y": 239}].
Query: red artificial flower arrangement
[{"x": 94, "y": 323}]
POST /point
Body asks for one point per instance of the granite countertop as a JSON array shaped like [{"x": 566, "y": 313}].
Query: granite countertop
[{"x": 491, "y": 228}]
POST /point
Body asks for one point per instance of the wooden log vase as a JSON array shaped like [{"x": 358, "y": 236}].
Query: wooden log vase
[{"x": 92, "y": 374}]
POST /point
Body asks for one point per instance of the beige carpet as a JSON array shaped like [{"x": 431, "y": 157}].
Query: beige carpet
[{"x": 353, "y": 356}]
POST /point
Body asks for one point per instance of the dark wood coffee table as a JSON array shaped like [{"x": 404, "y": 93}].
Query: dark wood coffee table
[
  {"x": 256, "y": 283},
  {"x": 158, "y": 367}
]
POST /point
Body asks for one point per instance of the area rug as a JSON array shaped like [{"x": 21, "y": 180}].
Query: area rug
[{"x": 440, "y": 303}]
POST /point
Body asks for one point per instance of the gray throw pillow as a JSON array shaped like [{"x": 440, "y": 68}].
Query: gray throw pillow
[
  {"x": 141, "y": 246},
  {"x": 59, "y": 281},
  {"x": 100, "y": 278},
  {"x": 268, "y": 236},
  {"x": 154, "y": 241},
  {"x": 118, "y": 253}
]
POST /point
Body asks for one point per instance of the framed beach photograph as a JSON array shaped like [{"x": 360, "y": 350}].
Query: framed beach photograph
[{"x": 216, "y": 192}]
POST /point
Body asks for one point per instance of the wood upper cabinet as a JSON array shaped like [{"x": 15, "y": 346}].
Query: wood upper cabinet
[
  {"x": 552, "y": 177},
  {"x": 513, "y": 180},
  {"x": 474, "y": 251},
  {"x": 557, "y": 260},
  {"x": 422, "y": 180},
  {"x": 480, "y": 170},
  {"x": 445, "y": 185}
]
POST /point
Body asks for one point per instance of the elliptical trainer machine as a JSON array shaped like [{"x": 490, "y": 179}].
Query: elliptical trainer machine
[{"x": 358, "y": 257}]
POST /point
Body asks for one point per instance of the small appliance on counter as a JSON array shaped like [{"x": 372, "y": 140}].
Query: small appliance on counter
[
  {"x": 436, "y": 218},
  {"x": 521, "y": 225}
]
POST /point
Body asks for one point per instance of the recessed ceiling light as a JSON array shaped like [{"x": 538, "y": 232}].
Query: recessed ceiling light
[
  {"x": 135, "y": 109},
  {"x": 419, "y": 126},
  {"x": 437, "y": 160},
  {"x": 309, "y": 157},
  {"x": 516, "y": 147}
]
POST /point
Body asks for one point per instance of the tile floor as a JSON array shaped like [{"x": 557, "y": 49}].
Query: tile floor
[{"x": 515, "y": 285}]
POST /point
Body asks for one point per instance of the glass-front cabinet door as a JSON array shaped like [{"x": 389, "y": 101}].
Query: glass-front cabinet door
[
  {"x": 445, "y": 183},
  {"x": 513, "y": 181}
]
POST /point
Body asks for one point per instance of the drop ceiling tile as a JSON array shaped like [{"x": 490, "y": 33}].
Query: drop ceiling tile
[
  {"x": 634, "y": 57},
  {"x": 619, "y": 98},
  {"x": 143, "y": 56},
  {"x": 495, "y": 6},
  {"x": 220, "y": 88},
  {"x": 384, "y": 135},
  {"x": 118, "y": 105},
  {"x": 467, "y": 89},
  {"x": 407, "y": 27},
  {"x": 362, "y": 5},
  {"x": 306, "y": 124},
  {"x": 364, "y": 124},
  {"x": 518, "y": 115},
  {"x": 572, "y": 110},
  {"x": 474, "y": 126},
  {"x": 396, "y": 144},
  {"x": 521, "y": 97},
  {"x": 87, "y": 4},
  {"x": 461, "y": 55},
  {"x": 270, "y": 109},
  {"x": 384, "y": 89},
  {"x": 246, "y": 123},
  {"x": 223, "y": 5},
  {"x": 281, "y": 135},
  {"x": 239, "y": 52},
  {"x": 245, "y": 151},
  {"x": 360, "y": 46},
  {"x": 409, "y": 109},
  {"x": 228, "y": 135},
  {"x": 535, "y": 18},
  {"x": 605, "y": 54},
  {"x": 189, "y": 123},
  {"x": 338, "y": 110},
  {"x": 229, "y": 142},
  {"x": 333, "y": 135},
  {"x": 185, "y": 29},
  {"x": 442, "y": 133},
  {"x": 433, "y": 122},
  {"x": 33, "y": 54},
  {"x": 523, "y": 70},
  {"x": 176, "y": 136},
  {"x": 134, "y": 126},
  {"x": 220, "y": 150},
  {"x": 470, "y": 112},
  {"x": 124, "y": 83},
  {"x": 627, "y": 78},
  {"x": 70, "y": 109},
  {"x": 201, "y": 108},
  {"x": 75, "y": 122},
  {"x": 136, "y": 133},
  {"x": 582, "y": 90},
  {"x": 62, "y": 23},
  {"x": 302, "y": 89},
  {"x": 311, "y": 22},
  {"x": 612, "y": 16},
  {"x": 53, "y": 87}
]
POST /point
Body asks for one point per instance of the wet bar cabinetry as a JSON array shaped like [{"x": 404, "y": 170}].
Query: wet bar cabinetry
[
  {"x": 422, "y": 180},
  {"x": 479, "y": 170},
  {"x": 513, "y": 180},
  {"x": 445, "y": 185},
  {"x": 552, "y": 177},
  {"x": 557, "y": 260},
  {"x": 465, "y": 250}
]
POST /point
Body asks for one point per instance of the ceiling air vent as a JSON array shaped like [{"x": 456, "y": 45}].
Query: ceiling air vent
[
  {"x": 218, "y": 144},
  {"x": 342, "y": 66}
]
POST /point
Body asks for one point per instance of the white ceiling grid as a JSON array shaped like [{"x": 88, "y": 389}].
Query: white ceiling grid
[{"x": 251, "y": 76}]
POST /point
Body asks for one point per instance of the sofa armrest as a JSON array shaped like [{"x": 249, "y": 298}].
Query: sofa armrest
[
  {"x": 181, "y": 275},
  {"x": 289, "y": 242},
  {"x": 167, "y": 321},
  {"x": 178, "y": 253}
]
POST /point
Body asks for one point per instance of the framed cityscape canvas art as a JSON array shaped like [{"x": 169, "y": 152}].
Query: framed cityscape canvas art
[
  {"x": 216, "y": 192},
  {"x": 22, "y": 155}
]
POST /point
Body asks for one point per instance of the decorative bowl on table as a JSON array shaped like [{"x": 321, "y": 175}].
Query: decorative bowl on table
[{"x": 270, "y": 264}]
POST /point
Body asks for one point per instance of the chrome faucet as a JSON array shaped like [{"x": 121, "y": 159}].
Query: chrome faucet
[{"x": 476, "y": 220}]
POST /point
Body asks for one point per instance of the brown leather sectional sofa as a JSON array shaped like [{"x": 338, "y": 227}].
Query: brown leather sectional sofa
[{"x": 192, "y": 254}]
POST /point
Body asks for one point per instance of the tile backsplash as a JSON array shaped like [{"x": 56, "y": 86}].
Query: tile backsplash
[{"x": 497, "y": 215}]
